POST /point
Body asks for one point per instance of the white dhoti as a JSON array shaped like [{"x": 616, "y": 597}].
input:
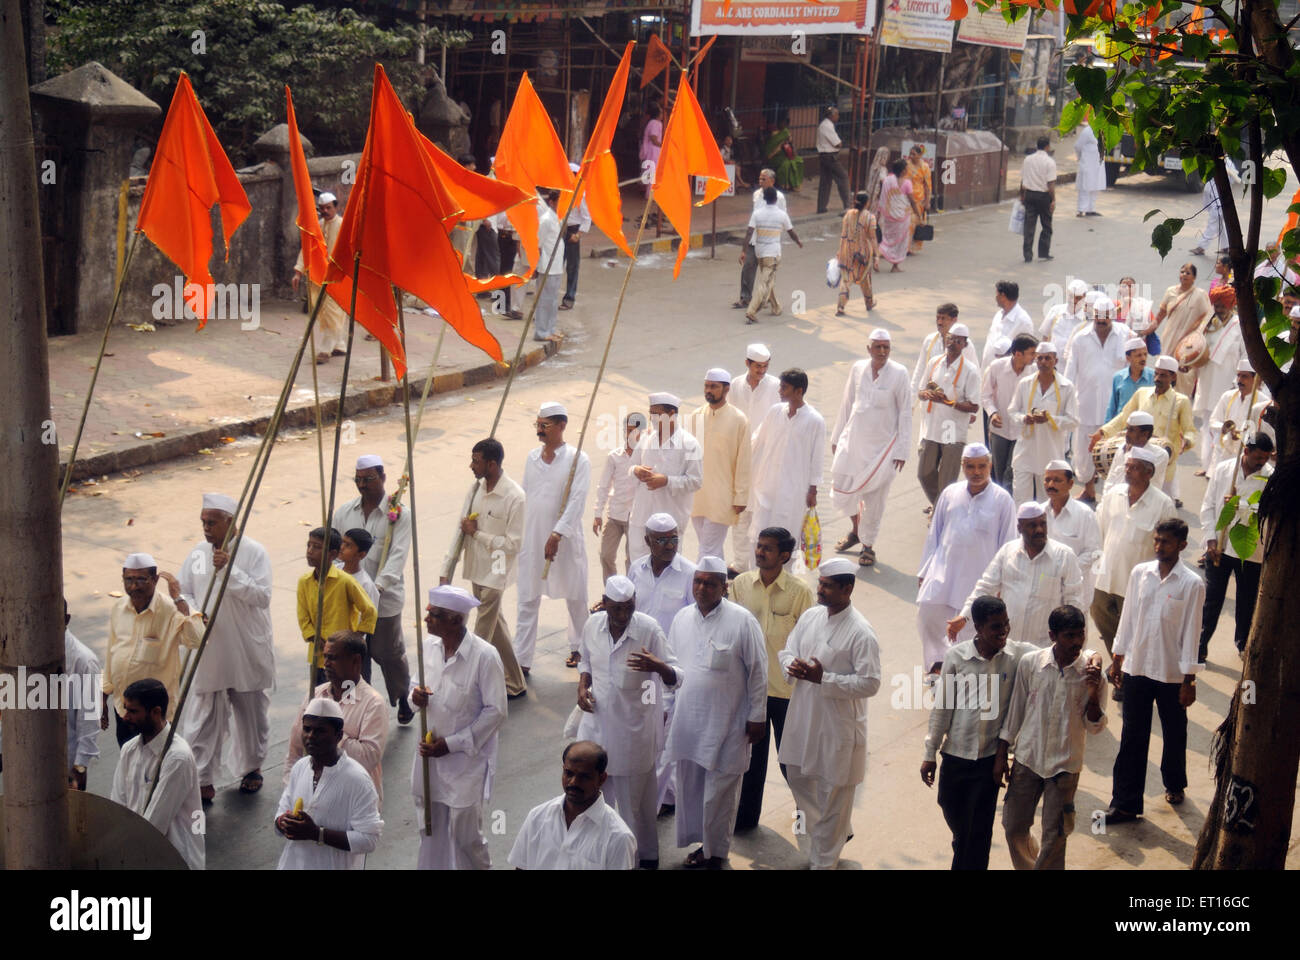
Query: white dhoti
[
  {"x": 525, "y": 641},
  {"x": 1026, "y": 486},
  {"x": 331, "y": 331},
  {"x": 1085, "y": 471},
  {"x": 204, "y": 728},
  {"x": 860, "y": 482},
  {"x": 712, "y": 537},
  {"x": 826, "y": 812},
  {"x": 457, "y": 842},
  {"x": 636, "y": 798},
  {"x": 742, "y": 545},
  {"x": 932, "y": 626},
  {"x": 665, "y": 769},
  {"x": 1087, "y": 200},
  {"x": 706, "y": 807}
]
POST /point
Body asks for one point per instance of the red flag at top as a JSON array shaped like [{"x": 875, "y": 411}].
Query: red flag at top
[
  {"x": 689, "y": 150},
  {"x": 600, "y": 184},
  {"x": 190, "y": 173},
  {"x": 395, "y": 223}
]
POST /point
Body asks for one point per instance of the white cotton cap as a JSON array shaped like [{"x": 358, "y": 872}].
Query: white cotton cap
[
  {"x": 619, "y": 588},
  {"x": 711, "y": 565},
  {"x": 973, "y": 451},
  {"x": 1002, "y": 347},
  {"x": 452, "y": 598},
  {"x": 717, "y": 375},
  {"x": 758, "y": 353},
  {"x": 138, "y": 561},
  {"x": 366, "y": 461},
  {"x": 552, "y": 409},
  {"x": 1143, "y": 453},
  {"x": 324, "y": 707},
  {"x": 219, "y": 501},
  {"x": 327, "y": 197},
  {"x": 1104, "y": 305},
  {"x": 1058, "y": 465},
  {"x": 1140, "y": 418},
  {"x": 959, "y": 330},
  {"x": 660, "y": 523},
  {"x": 1077, "y": 288},
  {"x": 1167, "y": 362},
  {"x": 1134, "y": 343},
  {"x": 665, "y": 400},
  {"x": 1243, "y": 366},
  {"x": 880, "y": 333},
  {"x": 1030, "y": 511},
  {"x": 838, "y": 567},
  {"x": 1092, "y": 296},
  {"x": 1046, "y": 347}
]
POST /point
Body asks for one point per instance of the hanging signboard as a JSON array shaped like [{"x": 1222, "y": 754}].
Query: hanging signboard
[
  {"x": 990, "y": 30},
  {"x": 917, "y": 25},
  {"x": 782, "y": 17}
]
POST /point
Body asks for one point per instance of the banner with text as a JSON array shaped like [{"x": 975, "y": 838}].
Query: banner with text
[
  {"x": 917, "y": 25},
  {"x": 991, "y": 30},
  {"x": 783, "y": 17}
]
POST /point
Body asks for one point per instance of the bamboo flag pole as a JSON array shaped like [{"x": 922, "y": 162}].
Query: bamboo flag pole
[
  {"x": 600, "y": 373},
  {"x": 99, "y": 362}
]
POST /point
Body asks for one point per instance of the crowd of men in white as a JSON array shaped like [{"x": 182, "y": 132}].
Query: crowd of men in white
[{"x": 686, "y": 668}]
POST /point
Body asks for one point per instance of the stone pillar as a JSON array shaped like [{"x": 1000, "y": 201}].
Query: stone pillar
[{"x": 272, "y": 147}]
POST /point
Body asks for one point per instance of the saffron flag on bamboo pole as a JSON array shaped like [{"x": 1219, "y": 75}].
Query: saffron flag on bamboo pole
[
  {"x": 190, "y": 173},
  {"x": 395, "y": 223},
  {"x": 657, "y": 58},
  {"x": 600, "y": 173},
  {"x": 689, "y": 150},
  {"x": 1292, "y": 219},
  {"x": 530, "y": 155},
  {"x": 380, "y": 318}
]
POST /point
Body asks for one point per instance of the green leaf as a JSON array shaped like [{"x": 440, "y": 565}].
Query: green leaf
[
  {"x": 1253, "y": 499},
  {"x": 1273, "y": 181},
  {"x": 1245, "y": 538},
  {"x": 1162, "y": 238},
  {"x": 1071, "y": 113},
  {"x": 1090, "y": 82},
  {"x": 1150, "y": 214},
  {"x": 1228, "y": 512}
]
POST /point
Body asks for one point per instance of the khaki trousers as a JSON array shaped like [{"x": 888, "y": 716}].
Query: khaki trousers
[{"x": 491, "y": 626}]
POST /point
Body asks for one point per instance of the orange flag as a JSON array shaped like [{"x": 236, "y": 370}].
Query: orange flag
[
  {"x": 657, "y": 58},
  {"x": 190, "y": 173},
  {"x": 1292, "y": 219},
  {"x": 530, "y": 155},
  {"x": 380, "y": 318},
  {"x": 395, "y": 223},
  {"x": 600, "y": 184},
  {"x": 689, "y": 150}
]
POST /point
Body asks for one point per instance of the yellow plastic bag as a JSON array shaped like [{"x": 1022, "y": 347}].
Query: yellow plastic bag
[{"x": 812, "y": 539}]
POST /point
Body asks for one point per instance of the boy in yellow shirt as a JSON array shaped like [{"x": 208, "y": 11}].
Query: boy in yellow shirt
[{"x": 346, "y": 605}]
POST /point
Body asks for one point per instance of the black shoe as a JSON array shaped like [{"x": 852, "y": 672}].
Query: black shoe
[
  {"x": 517, "y": 696},
  {"x": 648, "y": 865},
  {"x": 1046, "y": 256},
  {"x": 1029, "y": 259},
  {"x": 1119, "y": 816},
  {"x": 1119, "y": 695},
  {"x": 404, "y": 713}
]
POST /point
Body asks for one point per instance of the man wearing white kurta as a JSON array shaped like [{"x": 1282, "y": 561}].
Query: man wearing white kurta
[
  {"x": 1032, "y": 576},
  {"x": 1232, "y": 412},
  {"x": 332, "y": 320},
  {"x": 83, "y": 724},
  {"x": 627, "y": 663},
  {"x": 1139, "y": 430},
  {"x": 789, "y": 448},
  {"x": 238, "y": 667},
  {"x": 972, "y": 519},
  {"x": 1227, "y": 349},
  {"x": 834, "y": 660},
  {"x": 1071, "y": 522},
  {"x": 465, "y": 691},
  {"x": 339, "y": 821},
  {"x": 1010, "y": 321},
  {"x": 997, "y": 391},
  {"x": 1062, "y": 320},
  {"x": 552, "y": 530},
  {"x": 753, "y": 394},
  {"x": 669, "y": 463},
  {"x": 932, "y": 346},
  {"x": 724, "y": 435},
  {"x": 1045, "y": 408},
  {"x": 721, "y": 710},
  {"x": 550, "y": 268},
  {"x": 1091, "y": 358},
  {"x": 949, "y": 395},
  {"x": 1092, "y": 172},
  {"x": 870, "y": 440}
]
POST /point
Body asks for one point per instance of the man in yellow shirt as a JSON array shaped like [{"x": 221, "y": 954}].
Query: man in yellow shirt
[
  {"x": 1172, "y": 412},
  {"x": 346, "y": 605},
  {"x": 777, "y": 600}
]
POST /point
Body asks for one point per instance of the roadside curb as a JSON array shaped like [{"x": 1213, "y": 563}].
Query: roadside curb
[{"x": 297, "y": 415}]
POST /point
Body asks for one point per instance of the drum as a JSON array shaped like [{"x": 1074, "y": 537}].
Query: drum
[
  {"x": 1104, "y": 453},
  {"x": 1193, "y": 351}
]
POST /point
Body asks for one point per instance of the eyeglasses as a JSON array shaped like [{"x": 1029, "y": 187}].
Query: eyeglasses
[
  {"x": 664, "y": 541},
  {"x": 136, "y": 581}
]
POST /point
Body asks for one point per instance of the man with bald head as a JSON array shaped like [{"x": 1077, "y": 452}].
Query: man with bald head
[
  {"x": 235, "y": 676},
  {"x": 724, "y": 435}
]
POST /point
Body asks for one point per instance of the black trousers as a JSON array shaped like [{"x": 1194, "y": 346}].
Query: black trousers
[
  {"x": 968, "y": 797},
  {"x": 1130, "y": 771},
  {"x": 1003, "y": 450},
  {"x": 507, "y": 249},
  {"x": 751, "y": 787},
  {"x": 572, "y": 259},
  {"x": 1038, "y": 207},
  {"x": 831, "y": 169},
  {"x": 747, "y": 272},
  {"x": 1216, "y": 589}
]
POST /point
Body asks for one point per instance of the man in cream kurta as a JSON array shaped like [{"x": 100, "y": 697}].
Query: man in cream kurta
[
  {"x": 789, "y": 448},
  {"x": 552, "y": 530},
  {"x": 332, "y": 321},
  {"x": 627, "y": 663},
  {"x": 834, "y": 660},
  {"x": 950, "y": 396},
  {"x": 721, "y": 710},
  {"x": 237, "y": 671},
  {"x": 1092, "y": 356},
  {"x": 1045, "y": 408},
  {"x": 1227, "y": 349},
  {"x": 870, "y": 441},
  {"x": 724, "y": 434},
  {"x": 669, "y": 463}
]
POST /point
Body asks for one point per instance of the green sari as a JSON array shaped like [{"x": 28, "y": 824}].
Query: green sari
[{"x": 787, "y": 163}]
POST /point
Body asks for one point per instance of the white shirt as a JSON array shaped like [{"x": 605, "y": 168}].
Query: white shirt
[
  {"x": 363, "y": 581},
  {"x": 681, "y": 460},
  {"x": 548, "y": 233},
  {"x": 1159, "y": 629},
  {"x": 769, "y": 223},
  {"x": 1227, "y": 349},
  {"x": 544, "y": 489},
  {"x": 1215, "y": 496},
  {"x": 965, "y": 534},
  {"x": 1038, "y": 171},
  {"x": 662, "y": 596},
  {"x": 760, "y": 202},
  {"x": 1232, "y": 406},
  {"x": 1006, "y": 323},
  {"x": 931, "y": 347},
  {"x": 960, "y": 382},
  {"x": 240, "y": 654},
  {"x": 1031, "y": 588},
  {"x": 788, "y": 456},
  {"x": 874, "y": 425},
  {"x": 1126, "y": 533},
  {"x": 628, "y": 713},
  {"x": 1047, "y": 721},
  {"x": 1115, "y": 475},
  {"x": 997, "y": 391},
  {"x": 1059, "y": 324},
  {"x": 343, "y": 799},
  {"x": 754, "y": 402},
  {"x": 490, "y": 553},
  {"x": 723, "y": 686},
  {"x": 467, "y": 708},
  {"x": 83, "y": 724},
  {"x": 175, "y": 810},
  {"x": 826, "y": 724},
  {"x": 962, "y": 724},
  {"x": 617, "y": 486},
  {"x": 392, "y": 586},
  {"x": 598, "y": 839},
  {"x": 1040, "y": 443},
  {"x": 1076, "y": 527},
  {"x": 1090, "y": 365},
  {"x": 828, "y": 141}
]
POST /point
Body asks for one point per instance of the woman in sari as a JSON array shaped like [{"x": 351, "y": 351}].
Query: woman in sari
[
  {"x": 922, "y": 180},
  {"x": 857, "y": 253},
  {"x": 876, "y": 175},
  {"x": 896, "y": 208},
  {"x": 1184, "y": 308},
  {"x": 781, "y": 156}
]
